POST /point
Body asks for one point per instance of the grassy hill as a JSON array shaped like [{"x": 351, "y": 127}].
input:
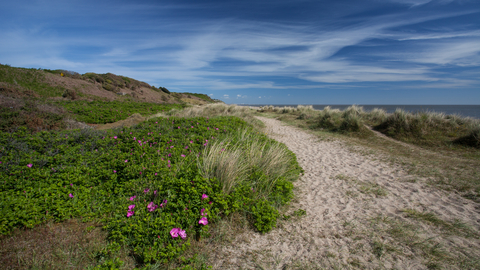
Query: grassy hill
[{"x": 43, "y": 99}]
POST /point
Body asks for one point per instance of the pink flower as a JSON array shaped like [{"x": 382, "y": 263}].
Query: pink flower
[
  {"x": 191, "y": 141},
  {"x": 146, "y": 190},
  {"x": 174, "y": 232},
  {"x": 114, "y": 171},
  {"x": 203, "y": 212},
  {"x": 203, "y": 221},
  {"x": 204, "y": 196},
  {"x": 29, "y": 165},
  {"x": 151, "y": 207},
  {"x": 210, "y": 202},
  {"x": 70, "y": 195},
  {"x": 71, "y": 184},
  {"x": 126, "y": 160},
  {"x": 132, "y": 198},
  {"x": 183, "y": 155},
  {"x": 130, "y": 207},
  {"x": 130, "y": 213},
  {"x": 114, "y": 137},
  {"x": 182, "y": 234},
  {"x": 155, "y": 173}
]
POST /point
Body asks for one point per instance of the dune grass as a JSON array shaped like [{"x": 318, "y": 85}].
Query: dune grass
[{"x": 444, "y": 148}]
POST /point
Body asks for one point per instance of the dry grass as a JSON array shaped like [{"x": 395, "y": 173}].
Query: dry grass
[
  {"x": 71, "y": 244},
  {"x": 224, "y": 162},
  {"x": 232, "y": 160},
  {"x": 451, "y": 168}
]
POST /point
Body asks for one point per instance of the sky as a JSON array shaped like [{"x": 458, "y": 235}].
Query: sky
[{"x": 260, "y": 52}]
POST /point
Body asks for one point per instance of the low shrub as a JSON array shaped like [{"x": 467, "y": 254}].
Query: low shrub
[
  {"x": 99, "y": 112},
  {"x": 142, "y": 182}
]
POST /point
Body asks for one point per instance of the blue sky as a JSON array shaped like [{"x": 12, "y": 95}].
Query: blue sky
[{"x": 260, "y": 52}]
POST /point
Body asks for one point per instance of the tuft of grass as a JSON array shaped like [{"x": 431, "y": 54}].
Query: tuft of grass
[
  {"x": 431, "y": 129},
  {"x": 349, "y": 121},
  {"x": 456, "y": 227},
  {"x": 236, "y": 158},
  {"x": 224, "y": 162},
  {"x": 372, "y": 188}
]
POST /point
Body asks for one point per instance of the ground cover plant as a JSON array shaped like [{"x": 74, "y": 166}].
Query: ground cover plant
[
  {"x": 100, "y": 112},
  {"x": 28, "y": 80},
  {"x": 155, "y": 187}
]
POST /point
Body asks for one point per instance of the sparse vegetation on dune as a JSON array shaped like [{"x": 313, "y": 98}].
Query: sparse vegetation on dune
[
  {"x": 445, "y": 148},
  {"x": 428, "y": 129}
]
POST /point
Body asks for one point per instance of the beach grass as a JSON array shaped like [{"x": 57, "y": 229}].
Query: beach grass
[{"x": 443, "y": 149}]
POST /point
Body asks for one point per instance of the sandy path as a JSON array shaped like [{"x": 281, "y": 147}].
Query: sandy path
[{"x": 344, "y": 193}]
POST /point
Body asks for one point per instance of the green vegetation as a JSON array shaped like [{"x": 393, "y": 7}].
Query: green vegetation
[
  {"x": 32, "y": 115},
  {"x": 143, "y": 182},
  {"x": 34, "y": 82},
  {"x": 114, "y": 83},
  {"x": 100, "y": 112},
  {"x": 27, "y": 82}
]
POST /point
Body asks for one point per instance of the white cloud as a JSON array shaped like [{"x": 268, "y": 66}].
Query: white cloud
[{"x": 188, "y": 58}]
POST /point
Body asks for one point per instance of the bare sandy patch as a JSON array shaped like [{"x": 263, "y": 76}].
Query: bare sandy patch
[{"x": 361, "y": 213}]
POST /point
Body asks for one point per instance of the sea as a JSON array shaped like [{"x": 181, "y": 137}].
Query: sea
[{"x": 472, "y": 111}]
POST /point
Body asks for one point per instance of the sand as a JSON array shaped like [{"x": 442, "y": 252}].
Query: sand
[{"x": 353, "y": 204}]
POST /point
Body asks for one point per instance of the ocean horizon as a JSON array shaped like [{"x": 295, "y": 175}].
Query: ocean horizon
[{"x": 462, "y": 110}]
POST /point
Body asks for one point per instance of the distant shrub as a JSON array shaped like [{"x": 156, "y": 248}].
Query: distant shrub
[{"x": 71, "y": 94}]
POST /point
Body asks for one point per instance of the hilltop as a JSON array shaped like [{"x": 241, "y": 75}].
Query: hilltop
[{"x": 44, "y": 99}]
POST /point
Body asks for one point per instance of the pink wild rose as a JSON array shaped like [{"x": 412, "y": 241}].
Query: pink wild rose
[
  {"x": 203, "y": 221},
  {"x": 174, "y": 232},
  {"x": 182, "y": 234},
  {"x": 151, "y": 207},
  {"x": 130, "y": 213},
  {"x": 204, "y": 196}
]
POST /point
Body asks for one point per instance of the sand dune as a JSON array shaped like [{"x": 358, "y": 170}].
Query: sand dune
[{"x": 353, "y": 204}]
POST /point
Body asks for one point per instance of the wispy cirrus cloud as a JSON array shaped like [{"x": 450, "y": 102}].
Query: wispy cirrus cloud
[{"x": 214, "y": 46}]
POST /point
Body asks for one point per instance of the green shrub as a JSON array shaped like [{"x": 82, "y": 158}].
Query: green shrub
[
  {"x": 265, "y": 216},
  {"x": 100, "y": 112},
  {"x": 98, "y": 175}
]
